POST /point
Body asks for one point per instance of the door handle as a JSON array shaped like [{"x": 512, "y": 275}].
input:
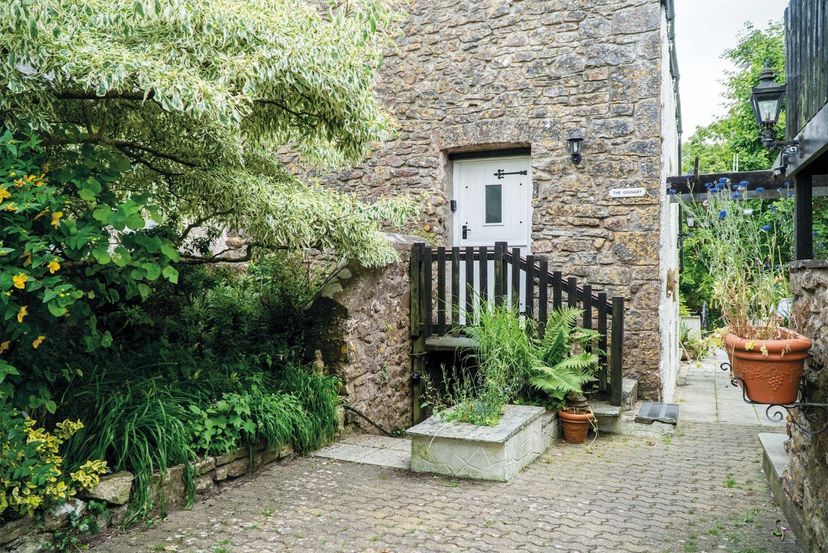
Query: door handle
[{"x": 465, "y": 232}]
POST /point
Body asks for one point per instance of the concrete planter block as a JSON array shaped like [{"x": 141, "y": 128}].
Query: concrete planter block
[{"x": 481, "y": 452}]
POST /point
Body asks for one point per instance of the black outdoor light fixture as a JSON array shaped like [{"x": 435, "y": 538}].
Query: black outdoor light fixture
[
  {"x": 575, "y": 139},
  {"x": 766, "y": 99}
]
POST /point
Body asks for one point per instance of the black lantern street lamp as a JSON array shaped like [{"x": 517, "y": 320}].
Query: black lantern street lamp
[
  {"x": 766, "y": 99},
  {"x": 575, "y": 139}
]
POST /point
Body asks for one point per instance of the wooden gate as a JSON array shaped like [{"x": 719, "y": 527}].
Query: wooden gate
[{"x": 445, "y": 283}]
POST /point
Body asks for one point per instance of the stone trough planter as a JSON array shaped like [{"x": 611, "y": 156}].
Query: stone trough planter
[{"x": 482, "y": 452}]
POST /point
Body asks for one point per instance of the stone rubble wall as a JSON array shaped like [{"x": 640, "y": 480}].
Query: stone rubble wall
[
  {"x": 471, "y": 75},
  {"x": 806, "y": 478},
  {"x": 26, "y": 535},
  {"x": 361, "y": 328}
]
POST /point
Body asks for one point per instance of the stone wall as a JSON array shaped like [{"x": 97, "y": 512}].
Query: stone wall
[
  {"x": 167, "y": 490},
  {"x": 361, "y": 330},
  {"x": 806, "y": 478},
  {"x": 471, "y": 75}
]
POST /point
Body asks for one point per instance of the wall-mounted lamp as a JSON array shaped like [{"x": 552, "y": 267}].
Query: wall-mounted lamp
[
  {"x": 766, "y": 99},
  {"x": 691, "y": 222},
  {"x": 575, "y": 139}
]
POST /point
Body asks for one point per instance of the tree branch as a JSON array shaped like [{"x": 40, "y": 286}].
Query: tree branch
[
  {"x": 200, "y": 221},
  {"x": 54, "y": 140},
  {"x": 248, "y": 255}
]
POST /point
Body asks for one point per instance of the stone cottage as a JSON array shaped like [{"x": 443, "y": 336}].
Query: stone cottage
[{"x": 479, "y": 88}]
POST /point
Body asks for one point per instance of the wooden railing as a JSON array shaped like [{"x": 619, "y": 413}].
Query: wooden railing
[{"x": 449, "y": 286}]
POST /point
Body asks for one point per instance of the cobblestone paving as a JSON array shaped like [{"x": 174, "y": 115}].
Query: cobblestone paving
[{"x": 701, "y": 491}]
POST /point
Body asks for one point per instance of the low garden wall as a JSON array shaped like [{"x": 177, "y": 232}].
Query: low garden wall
[
  {"x": 361, "y": 334},
  {"x": 806, "y": 479},
  {"x": 32, "y": 535}
]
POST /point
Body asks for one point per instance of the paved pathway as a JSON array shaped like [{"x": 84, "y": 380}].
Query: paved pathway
[
  {"x": 708, "y": 396},
  {"x": 700, "y": 491}
]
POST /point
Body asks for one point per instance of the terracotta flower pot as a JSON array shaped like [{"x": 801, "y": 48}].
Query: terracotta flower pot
[
  {"x": 575, "y": 423},
  {"x": 773, "y": 377}
]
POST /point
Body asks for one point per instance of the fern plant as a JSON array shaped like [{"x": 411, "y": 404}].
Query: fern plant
[
  {"x": 568, "y": 355},
  {"x": 511, "y": 359}
]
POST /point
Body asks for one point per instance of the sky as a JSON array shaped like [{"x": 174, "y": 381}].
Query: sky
[{"x": 704, "y": 30}]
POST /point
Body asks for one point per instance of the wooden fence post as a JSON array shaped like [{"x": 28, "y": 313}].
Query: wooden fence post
[
  {"x": 602, "y": 342},
  {"x": 543, "y": 294},
  {"x": 617, "y": 350},
  {"x": 499, "y": 272},
  {"x": 418, "y": 352}
]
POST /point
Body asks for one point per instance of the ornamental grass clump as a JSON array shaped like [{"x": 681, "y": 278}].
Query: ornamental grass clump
[{"x": 744, "y": 255}]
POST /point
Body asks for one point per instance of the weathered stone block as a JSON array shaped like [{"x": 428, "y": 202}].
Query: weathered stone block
[
  {"x": 232, "y": 470},
  {"x": 58, "y": 517},
  {"x": 481, "y": 452},
  {"x": 167, "y": 489},
  {"x": 16, "y": 529},
  {"x": 114, "y": 489}
]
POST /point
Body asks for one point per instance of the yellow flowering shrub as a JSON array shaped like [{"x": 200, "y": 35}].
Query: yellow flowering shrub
[{"x": 31, "y": 469}]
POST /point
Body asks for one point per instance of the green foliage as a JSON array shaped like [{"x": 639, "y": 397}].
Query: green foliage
[
  {"x": 510, "y": 360},
  {"x": 505, "y": 355},
  {"x": 737, "y": 132},
  {"x": 206, "y": 103},
  {"x": 147, "y": 422},
  {"x": 202, "y": 366},
  {"x": 33, "y": 476},
  {"x": 692, "y": 345},
  {"x": 563, "y": 370},
  {"x": 69, "y": 247},
  {"x": 744, "y": 258},
  {"x": 81, "y": 526}
]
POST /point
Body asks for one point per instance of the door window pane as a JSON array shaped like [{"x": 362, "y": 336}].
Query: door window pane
[{"x": 494, "y": 204}]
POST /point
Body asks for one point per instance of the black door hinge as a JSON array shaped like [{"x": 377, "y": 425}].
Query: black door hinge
[{"x": 500, "y": 173}]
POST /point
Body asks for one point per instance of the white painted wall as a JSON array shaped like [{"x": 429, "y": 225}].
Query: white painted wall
[{"x": 668, "y": 306}]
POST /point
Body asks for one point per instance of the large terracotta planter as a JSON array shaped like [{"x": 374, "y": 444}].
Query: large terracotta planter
[
  {"x": 771, "y": 378},
  {"x": 575, "y": 423}
]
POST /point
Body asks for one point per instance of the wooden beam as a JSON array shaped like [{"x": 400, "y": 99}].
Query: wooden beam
[
  {"x": 803, "y": 219},
  {"x": 691, "y": 184}
]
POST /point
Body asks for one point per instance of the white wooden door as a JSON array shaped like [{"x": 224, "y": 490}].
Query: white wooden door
[
  {"x": 494, "y": 204},
  {"x": 493, "y": 198}
]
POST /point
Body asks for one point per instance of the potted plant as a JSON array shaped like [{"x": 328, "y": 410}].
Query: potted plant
[
  {"x": 744, "y": 243},
  {"x": 568, "y": 356}
]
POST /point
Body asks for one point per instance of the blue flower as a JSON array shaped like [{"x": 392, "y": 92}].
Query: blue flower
[
  {"x": 722, "y": 214},
  {"x": 736, "y": 195},
  {"x": 708, "y": 185},
  {"x": 759, "y": 189},
  {"x": 766, "y": 228},
  {"x": 744, "y": 183},
  {"x": 722, "y": 180}
]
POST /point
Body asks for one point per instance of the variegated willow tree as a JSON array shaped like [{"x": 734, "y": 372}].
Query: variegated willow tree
[{"x": 202, "y": 97}]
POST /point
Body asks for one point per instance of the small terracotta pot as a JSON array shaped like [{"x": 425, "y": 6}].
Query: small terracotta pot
[
  {"x": 575, "y": 424},
  {"x": 772, "y": 378}
]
